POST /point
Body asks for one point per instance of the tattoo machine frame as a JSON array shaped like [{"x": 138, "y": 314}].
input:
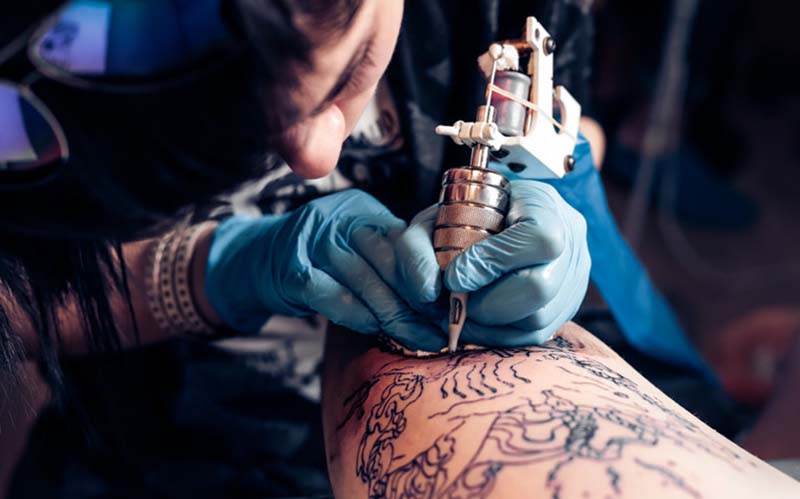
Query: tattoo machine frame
[{"x": 516, "y": 127}]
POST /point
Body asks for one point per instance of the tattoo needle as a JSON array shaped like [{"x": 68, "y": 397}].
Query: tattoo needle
[{"x": 458, "y": 301}]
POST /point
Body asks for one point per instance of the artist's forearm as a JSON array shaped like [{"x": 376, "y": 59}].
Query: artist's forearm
[
  {"x": 569, "y": 420},
  {"x": 136, "y": 258},
  {"x": 73, "y": 335}
]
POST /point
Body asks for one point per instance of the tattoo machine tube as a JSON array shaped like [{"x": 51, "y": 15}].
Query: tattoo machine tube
[
  {"x": 511, "y": 115},
  {"x": 472, "y": 206}
]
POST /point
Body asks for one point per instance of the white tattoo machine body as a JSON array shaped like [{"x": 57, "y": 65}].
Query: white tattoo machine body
[{"x": 517, "y": 127}]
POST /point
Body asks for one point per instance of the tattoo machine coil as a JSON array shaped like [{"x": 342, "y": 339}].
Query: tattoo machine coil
[{"x": 516, "y": 127}]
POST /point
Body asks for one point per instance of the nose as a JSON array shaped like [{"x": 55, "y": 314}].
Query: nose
[{"x": 313, "y": 146}]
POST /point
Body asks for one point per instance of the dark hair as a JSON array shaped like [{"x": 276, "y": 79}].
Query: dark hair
[{"x": 138, "y": 160}]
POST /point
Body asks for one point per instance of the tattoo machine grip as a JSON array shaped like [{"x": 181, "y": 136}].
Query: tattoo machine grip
[{"x": 472, "y": 206}]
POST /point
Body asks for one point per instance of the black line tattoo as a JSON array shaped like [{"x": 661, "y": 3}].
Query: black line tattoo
[
  {"x": 670, "y": 476},
  {"x": 614, "y": 477},
  {"x": 465, "y": 402},
  {"x": 456, "y": 391},
  {"x": 497, "y": 375},
  {"x": 483, "y": 380},
  {"x": 544, "y": 427},
  {"x": 516, "y": 375}
]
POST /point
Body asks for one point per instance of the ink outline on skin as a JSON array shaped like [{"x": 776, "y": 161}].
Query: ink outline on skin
[{"x": 575, "y": 427}]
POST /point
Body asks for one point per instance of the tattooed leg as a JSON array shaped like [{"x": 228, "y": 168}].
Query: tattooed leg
[{"x": 568, "y": 419}]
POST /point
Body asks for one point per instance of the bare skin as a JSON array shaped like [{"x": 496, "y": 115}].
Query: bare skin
[{"x": 567, "y": 420}]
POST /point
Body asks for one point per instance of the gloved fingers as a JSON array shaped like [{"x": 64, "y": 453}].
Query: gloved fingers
[
  {"x": 541, "y": 226},
  {"x": 324, "y": 295},
  {"x": 539, "y": 326},
  {"x": 377, "y": 246},
  {"x": 501, "y": 336},
  {"x": 355, "y": 273},
  {"x": 524, "y": 244},
  {"x": 348, "y": 203},
  {"x": 531, "y": 200},
  {"x": 426, "y": 217},
  {"x": 547, "y": 328},
  {"x": 358, "y": 276},
  {"x": 417, "y": 335},
  {"x": 399, "y": 322},
  {"x": 535, "y": 234},
  {"x": 514, "y": 296},
  {"x": 387, "y": 225},
  {"x": 416, "y": 261},
  {"x": 550, "y": 312},
  {"x": 566, "y": 302}
]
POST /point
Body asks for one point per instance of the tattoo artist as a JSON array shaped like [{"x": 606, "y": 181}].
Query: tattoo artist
[
  {"x": 334, "y": 256},
  {"x": 112, "y": 132}
]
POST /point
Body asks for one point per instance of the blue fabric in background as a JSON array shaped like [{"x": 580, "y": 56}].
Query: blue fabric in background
[{"x": 644, "y": 316}]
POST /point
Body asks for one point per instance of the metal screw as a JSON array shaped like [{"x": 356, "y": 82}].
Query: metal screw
[
  {"x": 569, "y": 163},
  {"x": 499, "y": 154},
  {"x": 549, "y": 46}
]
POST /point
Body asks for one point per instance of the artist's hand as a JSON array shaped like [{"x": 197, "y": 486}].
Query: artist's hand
[
  {"x": 525, "y": 282},
  {"x": 333, "y": 256}
]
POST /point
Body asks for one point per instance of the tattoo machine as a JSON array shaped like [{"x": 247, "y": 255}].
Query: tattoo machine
[{"x": 516, "y": 127}]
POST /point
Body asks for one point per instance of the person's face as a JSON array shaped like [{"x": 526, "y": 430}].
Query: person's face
[{"x": 334, "y": 92}]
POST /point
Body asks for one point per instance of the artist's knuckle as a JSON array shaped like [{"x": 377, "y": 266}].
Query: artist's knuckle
[
  {"x": 535, "y": 285},
  {"x": 552, "y": 240},
  {"x": 485, "y": 261}
]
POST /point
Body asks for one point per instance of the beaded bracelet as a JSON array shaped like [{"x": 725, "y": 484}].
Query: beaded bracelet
[
  {"x": 154, "y": 262},
  {"x": 182, "y": 291},
  {"x": 169, "y": 292}
]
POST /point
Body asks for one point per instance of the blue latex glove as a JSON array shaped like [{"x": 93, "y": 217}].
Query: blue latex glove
[
  {"x": 525, "y": 282},
  {"x": 333, "y": 256},
  {"x": 644, "y": 316}
]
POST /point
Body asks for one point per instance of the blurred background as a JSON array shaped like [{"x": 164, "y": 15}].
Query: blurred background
[
  {"x": 702, "y": 172},
  {"x": 712, "y": 207}
]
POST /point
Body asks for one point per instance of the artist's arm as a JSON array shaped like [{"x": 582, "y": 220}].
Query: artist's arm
[
  {"x": 567, "y": 420},
  {"x": 333, "y": 256},
  {"x": 73, "y": 337}
]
